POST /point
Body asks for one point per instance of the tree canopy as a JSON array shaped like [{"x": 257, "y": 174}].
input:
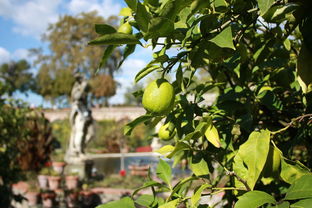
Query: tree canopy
[
  {"x": 257, "y": 134},
  {"x": 16, "y": 76},
  {"x": 69, "y": 53}
]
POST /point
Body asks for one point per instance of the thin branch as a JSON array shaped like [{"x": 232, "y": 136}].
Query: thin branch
[
  {"x": 232, "y": 173},
  {"x": 299, "y": 119}
]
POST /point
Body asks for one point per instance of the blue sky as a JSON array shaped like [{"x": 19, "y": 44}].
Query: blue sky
[{"x": 23, "y": 21}]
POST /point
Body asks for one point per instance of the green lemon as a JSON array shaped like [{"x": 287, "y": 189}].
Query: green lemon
[
  {"x": 273, "y": 163},
  {"x": 166, "y": 132},
  {"x": 158, "y": 97},
  {"x": 125, "y": 28}
]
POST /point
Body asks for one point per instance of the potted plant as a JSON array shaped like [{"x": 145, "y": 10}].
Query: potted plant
[
  {"x": 48, "y": 198},
  {"x": 58, "y": 163},
  {"x": 43, "y": 178},
  {"x": 86, "y": 195},
  {"x": 54, "y": 180},
  {"x": 72, "y": 180},
  {"x": 32, "y": 194},
  {"x": 72, "y": 198}
]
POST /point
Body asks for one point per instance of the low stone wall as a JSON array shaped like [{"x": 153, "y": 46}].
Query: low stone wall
[{"x": 110, "y": 113}]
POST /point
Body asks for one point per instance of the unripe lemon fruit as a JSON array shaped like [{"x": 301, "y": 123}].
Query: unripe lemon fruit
[
  {"x": 158, "y": 97},
  {"x": 273, "y": 163},
  {"x": 125, "y": 28},
  {"x": 166, "y": 132}
]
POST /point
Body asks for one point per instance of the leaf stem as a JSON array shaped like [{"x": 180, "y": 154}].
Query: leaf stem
[{"x": 299, "y": 119}]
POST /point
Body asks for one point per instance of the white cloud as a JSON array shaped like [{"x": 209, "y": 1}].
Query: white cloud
[
  {"x": 4, "y": 55},
  {"x": 31, "y": 17},
  {"x": 21, "y": 53},
  {"x": 104, "y": 8}
]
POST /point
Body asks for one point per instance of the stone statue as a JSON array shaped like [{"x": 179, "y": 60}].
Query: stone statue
[{"x": 82, "y": 128}]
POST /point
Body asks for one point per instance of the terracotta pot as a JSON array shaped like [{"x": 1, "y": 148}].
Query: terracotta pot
[
  {"x": 54, "y": 182},
  {"x": 43, "y": 181},
  {"x": 86, "y": 197},
  {"x": 58, "y": 167},
  {"x": 48, "y": 199},
  {"x": 71, "y": 182},
  {"x": 72, "y": 199},
  {"x": 32, "y": 198}
]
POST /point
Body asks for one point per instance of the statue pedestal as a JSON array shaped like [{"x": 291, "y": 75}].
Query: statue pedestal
[{"x": 83, "y": 167}]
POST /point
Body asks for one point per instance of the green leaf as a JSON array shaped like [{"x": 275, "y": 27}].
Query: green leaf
[
  {"x": 147, "y": 185},
  {"x": 163, "y": 171},
  {"x": 198, "y": 165},
  {"x": 104, "y": 29},
  {"x": 145, "y": 71},
  {"x": 181, "y": 146},
  {"x": 165, "y": 149},
  {"x": 170, "y": 204},
  {"x": 224, "y": 39},
  {"x": 125, "y": 12},
  {"x": 277, "y": 14},
  {"x": 124, "y": 202},
  {"x": 285, "y": 204},
  {"x": 130, "y": 126},
  {"x": 264, "y": 5},
  {"x": 129, "y": 49},
  {"x": 304, "y": 70},
  {"x": 132, "y": 4},
  {"x": 115, "y": 39},
  {"x": 254, "y": 154},
  {"x": 142, "y": 17},
  {"x": 145, "y": 200},
  {"x": 305, "y": 203},
  {"x": 195, "y": 198},
  {"x": 300, "y": 189},
  {"x": 287, "y": 44},
  {"x": 254, "y": 199},
  {"x": 212, "y": 135},
  {"x": 292, "y": 171},
  {"x": 160, "y": 27},
  {"x": 108, "y": 51}
]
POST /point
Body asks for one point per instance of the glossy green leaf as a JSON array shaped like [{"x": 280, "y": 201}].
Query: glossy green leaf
[
  {"x": 212, "y": 135},
  {"x": 198, "y": 165},
  {"x": 147, "y": 185},
  {"x": 181, "y": 146},
  {"x": 125, "y": 12},
  {"x": 145, "y": 71},
  {"x": 160, "y": 27},
  {"x": 284, "y": 204},
  {"x": 277, "y": 14},
  {"x": 108, "y": 51},
  {"x": 254, "y": 154},
  {"x": 132, "y": 4},
  {"x": 165, "y": 149},
  {"x": 304, "y": 70},
  {"x": 163, "y": 171},
  {"x": 291, "y": 171},
  {"x": 129, "y": 49},
  {"x": 104, "y": 29},
  {"x": 264, "y": 5},
  {"x": 142, "y": 17},
  {"x": 196, "y": 197},
  {"x": 115, "y": 39},
  {"x": 254, "y": 199},
  {"x": 145, "y": 200},
  {"x": 224, "y": 39},
  {"x": 124, "y": 202},
  {"x": 130, "y": 126},
  {"x": 170, "y": 204},
  {"x": 300, "y": 189},
  {"x": 304, "y": 203}
]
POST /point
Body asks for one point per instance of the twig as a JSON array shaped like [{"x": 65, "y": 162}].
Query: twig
[
  {"x": 232, "y": 173},
  {"x": 299, "y": 119}
]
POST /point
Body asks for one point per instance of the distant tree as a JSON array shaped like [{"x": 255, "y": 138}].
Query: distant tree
[
  {"x": 130, "y": 95},
  {"x": 69, "y": 53},
  {"x": 16, "y": 76},
  {"x": 103, "y": 87}
]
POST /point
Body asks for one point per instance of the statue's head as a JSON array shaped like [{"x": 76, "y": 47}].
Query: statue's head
[{"x": 78, "y": 77}]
